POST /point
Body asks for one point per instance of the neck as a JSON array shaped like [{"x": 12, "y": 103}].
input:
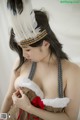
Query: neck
[{"x": 49, "y": 59}]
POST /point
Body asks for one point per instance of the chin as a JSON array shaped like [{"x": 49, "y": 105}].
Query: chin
[{"x": 34, "y": 60}]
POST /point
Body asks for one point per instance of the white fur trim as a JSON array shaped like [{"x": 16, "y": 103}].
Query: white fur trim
[
  {"x": 31, "y": 85},
  {"x": 57, "y": 102}
]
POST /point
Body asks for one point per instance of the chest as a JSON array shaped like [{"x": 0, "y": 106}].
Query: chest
[{"x": 47, "y": 79}]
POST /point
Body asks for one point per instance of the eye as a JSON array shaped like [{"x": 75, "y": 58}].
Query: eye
[{"x": 28, "y": 50}]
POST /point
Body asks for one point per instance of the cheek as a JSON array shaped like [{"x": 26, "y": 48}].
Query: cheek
[
  {"x": 36, "y": 55},
  {"x": 39, "y": 55}
]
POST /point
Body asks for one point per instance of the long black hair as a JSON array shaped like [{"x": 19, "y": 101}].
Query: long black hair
[{"x": 43, "y": 23}]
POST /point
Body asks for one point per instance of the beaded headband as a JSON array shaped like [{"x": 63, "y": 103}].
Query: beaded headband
[{"x": 25, "y": 43}]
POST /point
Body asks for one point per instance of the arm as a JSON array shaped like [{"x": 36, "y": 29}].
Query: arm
[
  {"x": 24, "y": 103},
  {"x": 48, "y": 115},
  {"x": 73, "y": 92},
  {"x": 8, "y": 98}
]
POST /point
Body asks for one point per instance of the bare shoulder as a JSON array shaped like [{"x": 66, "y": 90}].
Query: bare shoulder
[
  {"x": 15, "y": 65},
  {"x": 13, "y": 76},
  {"x": 71, "y": 69},
  {"x": 72, "y": 90}
]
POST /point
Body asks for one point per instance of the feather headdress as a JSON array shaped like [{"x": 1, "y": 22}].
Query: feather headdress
[{"x": 23, "y": 22}]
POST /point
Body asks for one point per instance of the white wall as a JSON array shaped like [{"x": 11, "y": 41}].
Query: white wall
[{"x": 6, "y": 55}]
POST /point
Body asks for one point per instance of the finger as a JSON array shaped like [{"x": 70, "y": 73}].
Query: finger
[
  {"x": 14, "y": 98},
  {"x": 17, "y": 93},
  {"x": 14, "y": 94},
  {"x": 21, "y": 92}
]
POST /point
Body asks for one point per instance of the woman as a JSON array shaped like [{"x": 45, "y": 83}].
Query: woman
[{"x": 51, "y": 80}]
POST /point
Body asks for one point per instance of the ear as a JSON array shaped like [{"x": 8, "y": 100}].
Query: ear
[{"x": 46, "y": 44}]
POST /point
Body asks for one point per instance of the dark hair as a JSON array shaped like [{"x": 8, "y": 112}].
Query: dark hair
[{"x": 43, "y": 23}]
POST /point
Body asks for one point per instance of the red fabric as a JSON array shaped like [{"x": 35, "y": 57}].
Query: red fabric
[
  {"x": 36, "y": 118},
  {"x": 28, "y": 116},
  {"x": 37, "y": 103},
  {"x": 20, "y": 112}
]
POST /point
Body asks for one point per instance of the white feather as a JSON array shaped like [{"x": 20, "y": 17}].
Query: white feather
[{"x": 24, "y": 24}]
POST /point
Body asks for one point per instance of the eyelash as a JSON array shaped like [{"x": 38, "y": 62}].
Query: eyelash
[{"x": 28, "y": 50}]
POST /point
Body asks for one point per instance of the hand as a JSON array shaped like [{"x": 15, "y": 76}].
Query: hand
[{"x": 21, "y": 100}]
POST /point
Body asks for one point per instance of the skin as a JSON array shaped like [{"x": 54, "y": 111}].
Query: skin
[{"x": 46, "y": 78}]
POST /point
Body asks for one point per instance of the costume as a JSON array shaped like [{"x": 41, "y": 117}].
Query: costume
[
  {"x": 27, "y": 32},
  {"x": 37, "y": 99}
]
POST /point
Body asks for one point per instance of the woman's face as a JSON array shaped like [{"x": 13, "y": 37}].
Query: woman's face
[{"x": 36, "y": 54}]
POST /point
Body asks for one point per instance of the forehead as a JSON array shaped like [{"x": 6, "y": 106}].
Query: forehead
[{"x": 23, "y": 46}]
